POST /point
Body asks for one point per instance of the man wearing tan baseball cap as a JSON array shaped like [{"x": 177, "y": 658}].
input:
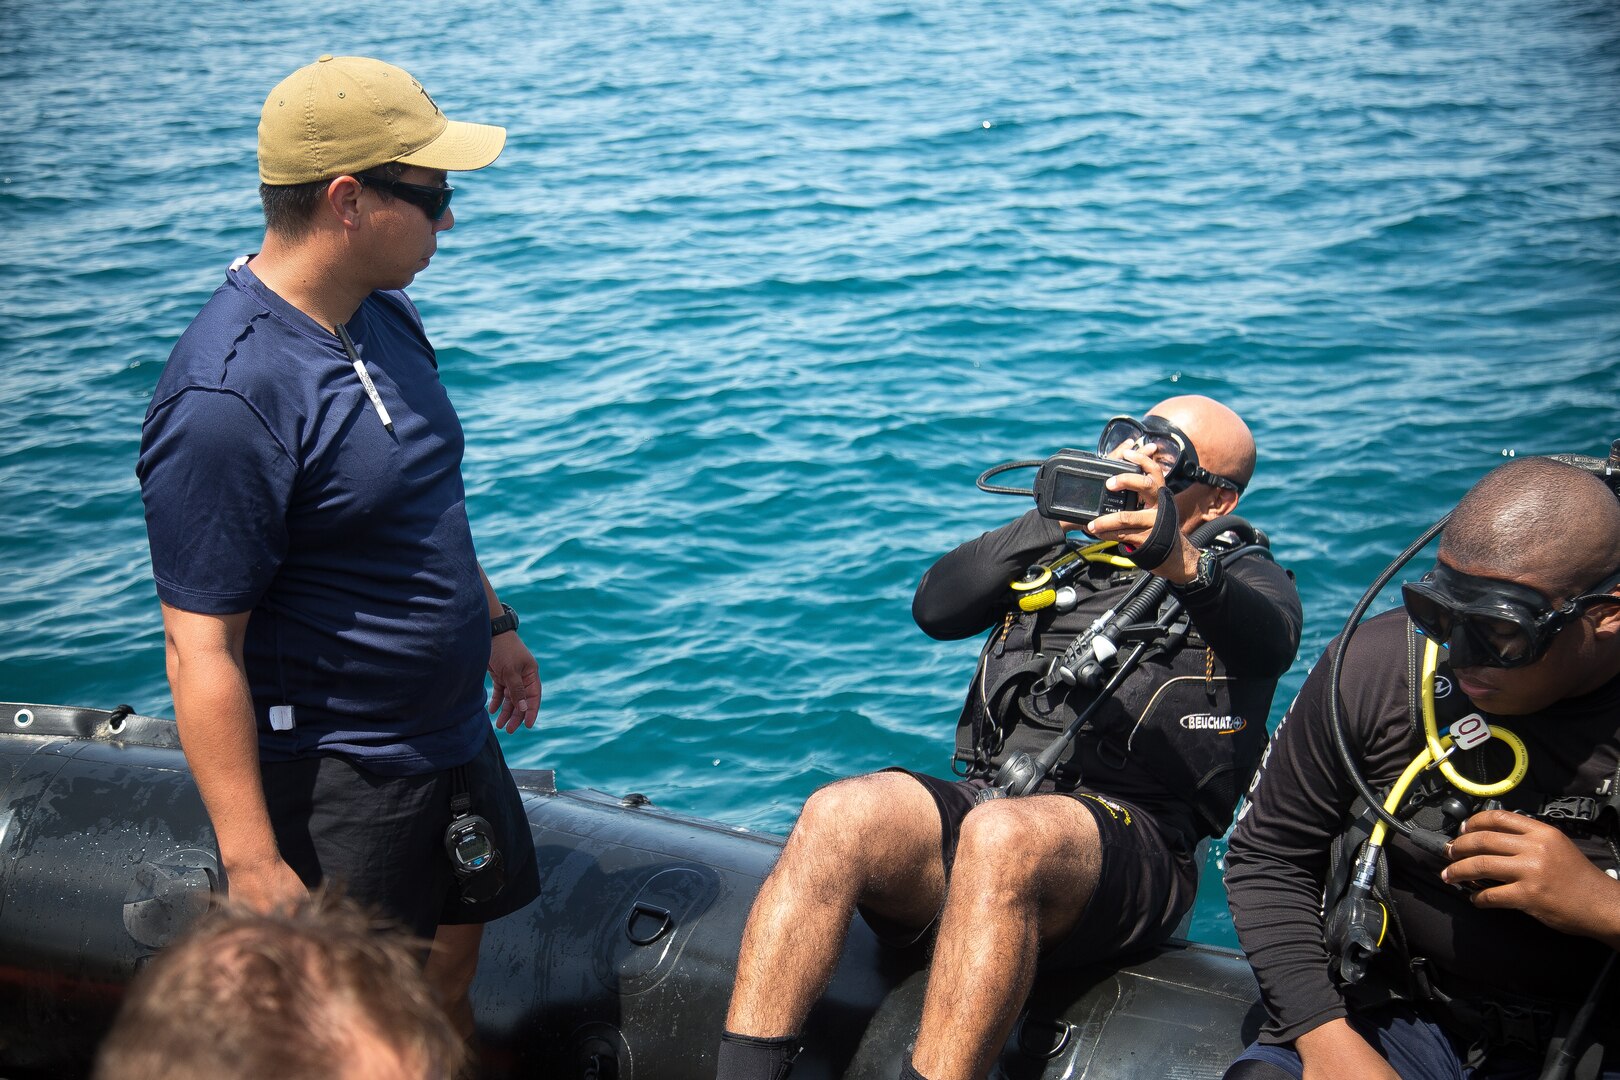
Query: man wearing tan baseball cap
[
  {"x": 346, "y": 114},
  {"x": 327, "y": 624}
]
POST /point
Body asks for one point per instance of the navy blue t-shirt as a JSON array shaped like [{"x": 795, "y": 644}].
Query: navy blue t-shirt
[{"x": 272, "y": 486}]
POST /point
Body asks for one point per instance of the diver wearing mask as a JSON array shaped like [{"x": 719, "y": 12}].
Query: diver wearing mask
[
  {"x": 1483, "y": 938},
  {"x": 1101, "y": 855}
]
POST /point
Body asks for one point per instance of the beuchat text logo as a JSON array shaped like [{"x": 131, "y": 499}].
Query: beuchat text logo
[{"x": 1221, "y": 725}]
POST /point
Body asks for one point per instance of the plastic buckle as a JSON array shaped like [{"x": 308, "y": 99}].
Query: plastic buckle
[{"x": 1572, "y": 814}]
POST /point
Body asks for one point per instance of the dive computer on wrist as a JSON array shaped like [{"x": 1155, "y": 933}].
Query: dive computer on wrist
[{"x": 1204, "y": 575}]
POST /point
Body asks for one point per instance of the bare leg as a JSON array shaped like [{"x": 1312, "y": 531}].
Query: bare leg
[
  {"x": 1024, "y": 871},
  {"x": 451, "y": 965},
  {"x": 873, "y": 840}
]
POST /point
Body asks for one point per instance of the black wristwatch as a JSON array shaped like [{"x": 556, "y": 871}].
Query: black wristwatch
[
  {"x": 507, "y": 621},
  {"x": 1204, "y": 575}
]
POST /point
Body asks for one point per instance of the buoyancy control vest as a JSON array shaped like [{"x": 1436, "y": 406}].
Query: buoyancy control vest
[
  {"x": 1434, "y": 805},
  {"x": 1485, "y": 1020},
  {"x": 1178, "y": 730}
]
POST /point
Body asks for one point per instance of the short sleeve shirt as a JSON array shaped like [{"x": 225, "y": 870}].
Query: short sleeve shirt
[{"x": 272, "y": 486}]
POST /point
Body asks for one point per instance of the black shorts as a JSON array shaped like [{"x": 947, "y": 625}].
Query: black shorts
[
  {"x": 1147, "y": 882},
  {"x": 380, "y": 839}
]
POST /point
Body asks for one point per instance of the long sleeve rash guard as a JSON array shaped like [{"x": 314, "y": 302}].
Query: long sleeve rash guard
[
  {"x": 1249, "y": 614},
  {"x": 1301, "y": 800}
]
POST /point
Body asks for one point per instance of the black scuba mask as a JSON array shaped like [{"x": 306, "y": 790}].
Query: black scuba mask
[
  {"x": 1485, "y": 622},
  {"x": 1166, "y": 444}
]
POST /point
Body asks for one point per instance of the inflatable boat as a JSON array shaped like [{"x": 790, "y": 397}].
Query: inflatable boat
[{"x": 620, "y": 970}]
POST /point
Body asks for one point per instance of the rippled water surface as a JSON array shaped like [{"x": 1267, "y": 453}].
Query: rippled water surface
[{"x": 756, "y": 291}]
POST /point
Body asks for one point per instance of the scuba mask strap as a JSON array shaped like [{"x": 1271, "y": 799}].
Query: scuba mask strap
[
  {"x": 1188, "y": 470},
  {"x": 1601, "y": 593}
]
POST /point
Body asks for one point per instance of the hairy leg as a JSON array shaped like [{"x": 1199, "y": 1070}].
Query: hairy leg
[
  {"x": 873, "y": 840},
  {"x": 1024, "y": 871}
]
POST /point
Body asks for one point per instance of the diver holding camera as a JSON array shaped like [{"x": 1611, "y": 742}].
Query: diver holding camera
[
  {"x": 1151, "y": 457},
  {"x": 1101, "y": 858}
]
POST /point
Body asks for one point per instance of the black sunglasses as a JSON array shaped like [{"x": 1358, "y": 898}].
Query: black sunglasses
[{"x": 432, "y": 201}]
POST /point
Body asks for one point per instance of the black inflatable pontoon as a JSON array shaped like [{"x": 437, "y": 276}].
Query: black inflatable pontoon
[{"x": 621, "y": 970}]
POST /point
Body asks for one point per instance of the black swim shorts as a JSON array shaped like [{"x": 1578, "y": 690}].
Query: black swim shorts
[
  {"x": 1146, "y": 885},
  {"x": 380, "y": 839}
]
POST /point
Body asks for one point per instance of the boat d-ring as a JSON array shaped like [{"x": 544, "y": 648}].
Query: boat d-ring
[
  {"x": 662, "y": 921},
  {"x": 1044, "y": 1039}
]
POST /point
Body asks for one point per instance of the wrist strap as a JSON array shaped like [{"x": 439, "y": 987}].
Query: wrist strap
[
  {"x": 1162, "y": 540},
  {"x": 460, "y": 792}
]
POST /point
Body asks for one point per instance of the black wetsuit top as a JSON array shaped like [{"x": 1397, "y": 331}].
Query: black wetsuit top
[
  {"x": 1249, "y": 616},
  {"x": 1301, "y": 800}
]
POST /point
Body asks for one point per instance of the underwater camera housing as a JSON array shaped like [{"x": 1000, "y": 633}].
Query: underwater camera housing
[{"x": 1072, "y": 486}]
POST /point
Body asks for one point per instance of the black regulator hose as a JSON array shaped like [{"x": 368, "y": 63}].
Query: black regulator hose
[
  {"x": 1143, "y": 601},
  {"x": 983, "y": 483},
  {"x": 1433, "y": 842},
  {"x": 1562, "y": 1060},
  {"x": 1209, "y": 530},
  {"x": 1141, "y": 604}
]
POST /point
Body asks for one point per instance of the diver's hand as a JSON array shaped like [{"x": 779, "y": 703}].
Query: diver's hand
[
  {"x": 1527, "y": 865},
  {"x": 1132, "y": 528},
  {"x": 1335, "y": 1050},
  {"x": 514, "y": 699}
]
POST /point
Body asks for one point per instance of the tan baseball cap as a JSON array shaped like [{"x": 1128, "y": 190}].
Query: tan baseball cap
[{"x": 345, "y": 114}]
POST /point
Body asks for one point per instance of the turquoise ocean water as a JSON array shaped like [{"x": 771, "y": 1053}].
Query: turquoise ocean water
[{"x": 756, "y": 291}]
